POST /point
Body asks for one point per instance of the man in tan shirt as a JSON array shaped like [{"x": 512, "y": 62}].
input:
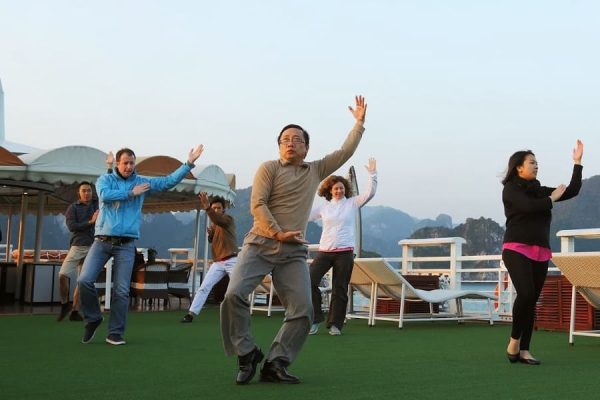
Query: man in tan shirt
[
  {"x": 221, "y": 235},
  {"x": 282, "y": 195}
]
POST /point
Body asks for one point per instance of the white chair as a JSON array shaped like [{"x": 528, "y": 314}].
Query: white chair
[
  {"x": 386, "y": 281},
  {"x": 363, "y": 284},
  {"x": 265, "y": 288}
]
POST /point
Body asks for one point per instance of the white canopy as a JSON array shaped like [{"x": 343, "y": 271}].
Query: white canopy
[
  {"x": 46, "y": 182},
  {"x": 58, "y": 172}
]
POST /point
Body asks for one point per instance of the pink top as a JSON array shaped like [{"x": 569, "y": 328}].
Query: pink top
[
  {"x": 531, "y": 251},
  {"x": 340, "y": 249}
]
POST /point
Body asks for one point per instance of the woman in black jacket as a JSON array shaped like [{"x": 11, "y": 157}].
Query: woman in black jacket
[{"x": 526, "y": 248}]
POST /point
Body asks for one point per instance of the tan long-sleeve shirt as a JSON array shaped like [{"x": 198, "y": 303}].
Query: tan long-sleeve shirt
[
  {"x": 282, "y": 194},
  {"x": 223, "y": 241}
]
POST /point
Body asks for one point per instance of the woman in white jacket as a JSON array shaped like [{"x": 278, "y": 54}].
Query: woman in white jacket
[{"x": 336, "y": 247}]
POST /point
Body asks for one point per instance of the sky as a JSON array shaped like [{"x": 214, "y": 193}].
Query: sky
[{"x": 453, "y": 87}]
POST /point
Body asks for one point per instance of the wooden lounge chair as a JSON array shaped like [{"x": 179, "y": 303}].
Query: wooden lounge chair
[
  {"x": 583, "y": 271},
  {"x": 385, "y": 279}
]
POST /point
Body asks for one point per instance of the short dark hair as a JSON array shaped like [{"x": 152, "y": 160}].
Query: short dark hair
[
  {"x": 294, "y": 126},
  {"x": 83, "y": 183},
  {"x": 217, "y": 199},
  {"x": 124, "y": 150},
  {"x": 516, "y": 160},
  {"x": 329, "y": 182}
]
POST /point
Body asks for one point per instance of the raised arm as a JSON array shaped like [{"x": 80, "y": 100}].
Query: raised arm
[
  {"x": 360, "y": 112},
  {"x": 364, "y": 198},
  {"x": 167, "y": 182},
  {"x": 194, "y": 154},
  {"x": 578, "y": 152},
  {"x": 216, "y": 218},
  {"x": 331, "y": 162},
  {"x": 110, "y": 159},
  {"x": 563, "y": 192}
]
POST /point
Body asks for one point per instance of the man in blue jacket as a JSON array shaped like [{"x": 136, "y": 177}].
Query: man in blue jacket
[{"x": 121, "y": 197}]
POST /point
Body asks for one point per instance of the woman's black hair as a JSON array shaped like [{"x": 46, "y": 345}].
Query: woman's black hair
[{"x": 516, "y": 160}]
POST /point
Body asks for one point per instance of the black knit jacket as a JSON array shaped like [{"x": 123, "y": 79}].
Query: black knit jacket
[{"x": 527, "y": 207}]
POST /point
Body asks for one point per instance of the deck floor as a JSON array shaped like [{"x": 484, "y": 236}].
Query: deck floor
[{"x": 11, "y": 307}]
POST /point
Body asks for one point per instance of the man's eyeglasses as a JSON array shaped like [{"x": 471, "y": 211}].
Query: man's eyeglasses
[{"x": 294, "y": 140}]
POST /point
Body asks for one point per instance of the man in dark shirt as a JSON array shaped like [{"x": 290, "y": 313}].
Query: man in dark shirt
[{"x": 80, "y": 219}]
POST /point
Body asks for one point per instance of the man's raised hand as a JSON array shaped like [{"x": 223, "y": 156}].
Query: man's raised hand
[
  {"x": 360, "y": 111},
  {"x": 195, "y": 153},
  {"x": 204, "y": 203}
]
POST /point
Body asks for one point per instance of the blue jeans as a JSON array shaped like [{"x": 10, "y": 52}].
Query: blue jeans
[{"x": 99, "y": 254}]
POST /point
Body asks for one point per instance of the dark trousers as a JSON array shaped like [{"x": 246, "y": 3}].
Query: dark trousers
[
  {"x": 342, "y": 263},
  {"x": 528, "y": 278}
]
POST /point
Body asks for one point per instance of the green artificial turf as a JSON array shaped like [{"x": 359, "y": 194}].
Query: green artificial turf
[{"x": 164, "y": 359}]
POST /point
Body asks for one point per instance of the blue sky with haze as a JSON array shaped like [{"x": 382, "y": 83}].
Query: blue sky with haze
[{"x": 453, "y": 87}]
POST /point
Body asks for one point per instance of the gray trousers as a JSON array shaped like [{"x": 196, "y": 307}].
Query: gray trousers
[{"x": 287, "y": 264}]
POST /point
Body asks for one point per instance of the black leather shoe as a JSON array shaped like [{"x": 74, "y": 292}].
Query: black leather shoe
[
  {"x": 187, "y": 318},
  {"x": 513, "y": 358},
  {"x": 275, "y": 371},
  {"x": 529, "y": 361},
  {"x": 247, "y": 364}
]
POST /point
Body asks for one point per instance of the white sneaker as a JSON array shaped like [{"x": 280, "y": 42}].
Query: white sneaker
[
  {"x": 334, "y": 331},
  {"x": 314, "y": 328}
]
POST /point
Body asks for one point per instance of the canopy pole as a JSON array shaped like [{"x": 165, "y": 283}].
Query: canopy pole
[
  {"x": 8, "y": 236},
  {"x": 38, "y": 226},
  {"x": 205, "y": 262},
  {"x": 21, "y": 245},
  {"x": 196, "y": 249}
]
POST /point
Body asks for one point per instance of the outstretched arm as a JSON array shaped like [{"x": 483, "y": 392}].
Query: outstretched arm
[
  {"x": 364, "y": 198},
  {"x": 222, "y": 220},
  {"x": 563, "y": 192},
  {"x": 333, "y": 161},
  {"x": 169, "y": 181}
]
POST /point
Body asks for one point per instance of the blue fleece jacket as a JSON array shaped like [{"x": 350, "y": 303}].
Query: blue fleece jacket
[{"x": 120, "y": 211}]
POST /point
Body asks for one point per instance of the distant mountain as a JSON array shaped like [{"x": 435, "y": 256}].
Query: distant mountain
[
  {"x": 581, "y": 212},
  {"x": 383, "y": 227},
  {"x": 483, "y": 236}
]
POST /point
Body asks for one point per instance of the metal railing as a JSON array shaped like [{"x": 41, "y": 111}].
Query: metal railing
[{"x": 493, "y": 278}]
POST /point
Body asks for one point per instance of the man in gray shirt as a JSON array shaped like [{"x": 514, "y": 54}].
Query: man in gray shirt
[
  {"x": 80, "y": 219},
  {"x": 282, "y": 195}
]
